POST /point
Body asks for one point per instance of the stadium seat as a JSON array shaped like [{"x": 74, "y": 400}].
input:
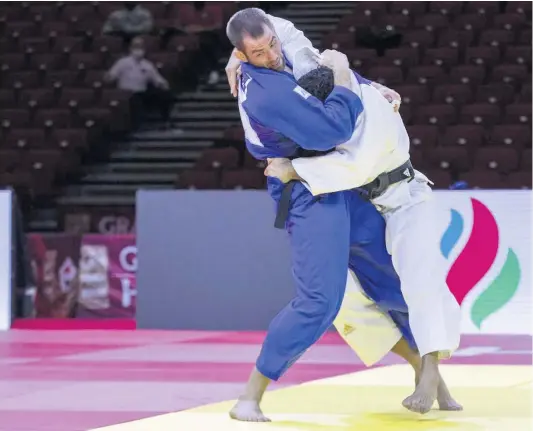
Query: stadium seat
[
  {"x": 218, "y": 158},
  {"x": 243, "y": 179},
  {"x": 500, "y": 159}
]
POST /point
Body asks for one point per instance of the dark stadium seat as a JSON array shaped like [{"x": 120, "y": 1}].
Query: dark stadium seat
[
  {"x": 218, "y": 158},
  {"x": 500, "y": 159},
  {"x": 243, "y": 179}
]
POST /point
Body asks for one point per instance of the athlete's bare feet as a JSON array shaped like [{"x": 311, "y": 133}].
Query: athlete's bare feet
[
  {"x": 248, "y": 411},
  {"x": 445, "y": 399},
  {"x": 425, "y": 392}
]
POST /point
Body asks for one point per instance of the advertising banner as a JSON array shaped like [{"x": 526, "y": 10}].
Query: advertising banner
[
  {"x": 486, "y": 240},
  {"x": 108, "y": 264},
  {"x": 54, "y": 261}
]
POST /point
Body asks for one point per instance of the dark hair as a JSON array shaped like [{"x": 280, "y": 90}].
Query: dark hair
[
  {"x": 250, "y": 21},
  {"x": 319, "y": 82}
]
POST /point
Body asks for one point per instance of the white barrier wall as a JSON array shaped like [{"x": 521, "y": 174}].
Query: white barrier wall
[
  {"x": 486, "y": 241},
  {"x": 5, "y": 258}
]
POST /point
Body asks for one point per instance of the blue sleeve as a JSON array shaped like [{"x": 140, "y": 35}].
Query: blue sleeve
[
  {"x": 304, "y": 119},
  {"x": 361, "y": 79}
]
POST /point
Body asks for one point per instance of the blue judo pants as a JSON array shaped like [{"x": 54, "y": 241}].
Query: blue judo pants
[{"x": 328, "y": 235}]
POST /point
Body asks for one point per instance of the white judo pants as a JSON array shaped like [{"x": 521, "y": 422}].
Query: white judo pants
[
  {"x": 412, "y": 238},
  {"x": 366, "y": 329}
]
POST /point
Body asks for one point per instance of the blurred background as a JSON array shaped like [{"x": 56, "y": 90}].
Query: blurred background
[{"x": 83, "y": 127}]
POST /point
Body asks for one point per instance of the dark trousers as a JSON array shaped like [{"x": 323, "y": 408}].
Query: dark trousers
[{"x": 153, "y": 99}]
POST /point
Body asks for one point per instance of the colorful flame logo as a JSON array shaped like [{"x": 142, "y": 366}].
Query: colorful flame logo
[{"x": 476, "y": 259}]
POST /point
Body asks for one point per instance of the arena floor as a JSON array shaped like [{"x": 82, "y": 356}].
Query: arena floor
[{"x": 156, "y": 380}]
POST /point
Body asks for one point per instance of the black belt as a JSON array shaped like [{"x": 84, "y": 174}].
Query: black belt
[
  {"x": 376, "y": 188},
  {"x": 284, "y": 205},
  {"x": 369, "y": 191}
]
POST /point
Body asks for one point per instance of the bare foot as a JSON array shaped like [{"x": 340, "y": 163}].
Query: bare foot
[
  {"x": 445, "y": 400},
  {"x": 425, "y": 392},
  {"x": 248, "y": 411}
]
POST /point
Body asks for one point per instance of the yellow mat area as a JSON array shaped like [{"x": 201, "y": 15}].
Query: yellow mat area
[{"x": 495, "y": 398}]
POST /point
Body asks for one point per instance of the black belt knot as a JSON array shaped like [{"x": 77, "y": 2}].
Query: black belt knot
[{"x": 377, "y": 187}]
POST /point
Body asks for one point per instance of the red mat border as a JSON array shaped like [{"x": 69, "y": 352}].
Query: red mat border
[{"x": 74, "y": 324}]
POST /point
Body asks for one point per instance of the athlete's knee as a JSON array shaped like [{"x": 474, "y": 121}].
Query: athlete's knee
[{"x": 324, "y": 307}]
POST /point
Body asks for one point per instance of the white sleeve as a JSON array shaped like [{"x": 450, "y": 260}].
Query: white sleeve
[
  {"x": 292, "y": 39},
  {"x": 343, "y": 169}
]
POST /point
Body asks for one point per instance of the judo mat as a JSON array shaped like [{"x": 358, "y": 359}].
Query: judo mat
[
  {"x": 495, "y": 398},
  {"x": 72, "y": 380}
]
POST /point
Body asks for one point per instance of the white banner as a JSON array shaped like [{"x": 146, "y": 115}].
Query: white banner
[
  {"x": 486, "y": 241},
  {"x": 5, "y": 258}
]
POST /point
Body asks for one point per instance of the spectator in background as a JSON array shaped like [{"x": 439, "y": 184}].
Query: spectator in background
[
  {"x": 133, "y": 20},
  {"x": 204, "y": 20},
  {"x": 137, "y": 74}
]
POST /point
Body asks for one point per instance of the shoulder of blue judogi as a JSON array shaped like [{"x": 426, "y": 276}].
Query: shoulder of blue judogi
[
  {"x": 276, "y": 101},
  {"x": 261, "y": 140}
]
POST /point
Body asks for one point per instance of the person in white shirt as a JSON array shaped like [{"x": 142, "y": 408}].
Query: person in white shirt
[
  {"x": 137, "y": 74},
  {"x": 130, "y": 21}
]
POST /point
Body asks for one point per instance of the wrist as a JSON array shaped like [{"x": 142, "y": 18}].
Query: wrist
[
  {"x": 342, "y": 77},
  {"x": 295, "y": 175}
]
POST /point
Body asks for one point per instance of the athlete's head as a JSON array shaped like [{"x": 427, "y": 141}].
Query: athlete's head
[
  {"x": 254, "y": 36},
  {"x": 319, "y": 82}
]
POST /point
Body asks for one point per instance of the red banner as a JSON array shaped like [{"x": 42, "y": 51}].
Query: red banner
[
  {"x": 54, "y": 261},
  {"x": 90, "y": 276},
  {"x": 108, "y": 265}
]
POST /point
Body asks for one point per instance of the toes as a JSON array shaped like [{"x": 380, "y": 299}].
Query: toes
[{"x": 417, "y": 405}]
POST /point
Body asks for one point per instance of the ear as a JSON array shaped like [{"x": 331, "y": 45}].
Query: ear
[{"x": 240, "y": 55}]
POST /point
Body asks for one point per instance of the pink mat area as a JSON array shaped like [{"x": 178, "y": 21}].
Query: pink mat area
[{"x": 63, "y": 380}]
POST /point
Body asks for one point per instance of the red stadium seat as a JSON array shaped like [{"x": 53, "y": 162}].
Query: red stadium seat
[
  {"x": 26, "y": 138},
  {"x": 519, "y": 180},
  {"x": 389, "y": 76},
  {"x": 412, "y": 94},
  {"x": 498, "y": 94},
  {"x": 436, "y": 115},
  {"x": 420, "y": 39},
  {"x": 423, "y": 137},
  {"x": 243, "y": 179},
  {"x": 470, "y": 22},
  {"x": 252, "y": 163},
  {"x": 426, "y": 75},
  {"x": 441, "y": 57},
  {"x": 467, "y": 75},
  {"x": 432, "y": 22},
  {"x": 500, "y": 159},
  {"x": 482, "y": 56},
  {"x": 483, "y": 180},
  {"x": 525, "y": 161},
  {"x": 483, "y": 8},
  {"x": 510, "y": 136},
  {"x": 452, "y": 94},
  {"x": 482, "y": 114},
  {"x": 402, "y": 57},
  {"x": 201, "y": 180},
  {"x": 469, "y": 137},
  {"x": 518, "y": 114},
  {"x": 446, "y": 8},
  {"x": 218, "y": 158},
  {"x": 408, "y": 8},
  {"x": 450, "y": 158},
  {"x": 509, "y": 21},
  {"x": 509, "y": 74},
  {"x": 440, "y": 178}
]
